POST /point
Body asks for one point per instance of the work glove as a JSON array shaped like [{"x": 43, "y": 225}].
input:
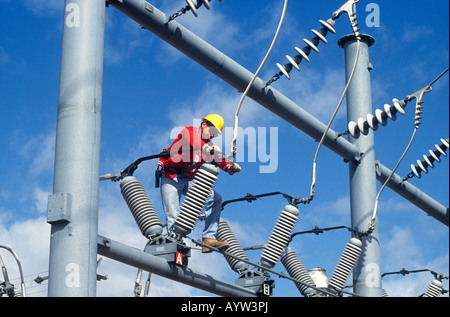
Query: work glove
[
  {"x": 211, "y": 150},
  {"x": 235, "y": 168}
]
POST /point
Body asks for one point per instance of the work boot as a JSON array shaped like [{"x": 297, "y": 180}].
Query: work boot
[{"x": 214, "y": 243}]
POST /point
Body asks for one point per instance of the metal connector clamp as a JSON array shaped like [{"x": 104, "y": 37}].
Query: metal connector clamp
[
  {"x": 349, "y": 8},
  {"x": 418, "y": 95}
]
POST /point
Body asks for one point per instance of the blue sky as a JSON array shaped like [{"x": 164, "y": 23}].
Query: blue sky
[{"x": 150, "y": 90}]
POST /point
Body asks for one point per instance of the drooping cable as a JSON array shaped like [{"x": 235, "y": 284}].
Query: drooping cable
[
  {"x": 314, "y": 166},
  {"x": 375, "y": 208},
  {"x": 418, "y": 95},
  {"x": 236, "y": 116},
  {"x": 350, "y": 8}
]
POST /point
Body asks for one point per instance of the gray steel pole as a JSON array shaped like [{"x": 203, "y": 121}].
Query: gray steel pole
[
  {"x": 73, "y": 206},
  {"x": 413, "y": 194},
  {"x": 363, "y": 189},
  {"x": 148, "y": 262}
]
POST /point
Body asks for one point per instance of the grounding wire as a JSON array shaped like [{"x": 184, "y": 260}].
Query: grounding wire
[
  {"x": 314, "y": 167},
  {"x": 236, "y": 116},
  {"x": 280, "y": 274},
  {"x": 416, "y": 126}
]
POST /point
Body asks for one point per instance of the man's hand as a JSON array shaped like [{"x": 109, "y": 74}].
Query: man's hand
[
  {"x": 209, "y": 150},
  {"x": 211, "y": 153},
  {"x": 235, "y": 168}
]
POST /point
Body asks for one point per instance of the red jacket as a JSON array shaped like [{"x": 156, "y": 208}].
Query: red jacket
[{"x": 189, "y": 158}]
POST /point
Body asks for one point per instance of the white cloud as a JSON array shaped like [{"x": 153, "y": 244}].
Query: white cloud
[
  {"x": 213, "y": 98},
  {"x": 401, "y": 245},
  {"x": 402, "y": 250},
  {"x": 413, "y": 33},
  {"x": 396, "y": 204},
  {"x": 40, "y": 151},
  {"x": 415, "y": 284},
  {"x": 318, "y": 92},
  {"x": 123, "y": 37},
  {"x": 329, "y": 213},
  {"x": 206, "y": 26},
  {"x": 40, "y": 197},
  {"x": 248, "y": 235},
  {"x": 406, "y": 286},
  {"x": 29, "y": 240}
]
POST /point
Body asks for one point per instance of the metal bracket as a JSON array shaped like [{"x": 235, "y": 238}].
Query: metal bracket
[
  {"x": 256, "y": 281},
  {"x": 169, "y": 249},
  {"x": 59, "y": 207},
  {"x": 148, "y": 7}
]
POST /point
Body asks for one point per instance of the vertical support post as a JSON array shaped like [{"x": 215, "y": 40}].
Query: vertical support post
[
  {"x": 363, "y": 189},
  {"x": 73, "y": 207}
]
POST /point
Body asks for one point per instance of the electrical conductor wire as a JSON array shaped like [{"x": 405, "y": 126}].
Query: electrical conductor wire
[
  {"x": 313, "y": 181},
  {"x": 375, "y": 208},
  {"x": 236, "y": 116}
]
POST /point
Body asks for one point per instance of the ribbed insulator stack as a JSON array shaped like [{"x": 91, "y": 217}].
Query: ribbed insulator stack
[
  {"x": 297, "y": 270},
  {"x": 140, "y": 206},
  {"x": 381, "y": 117},
  {"x": 384, "y": 293},
  {"x": 434, "y": 289},
  {"x": 320, "y": 36},
  {"x": 280, "y": 236},
  {"x": 422, "y": 166},
  {"x": 418, "y": 115},
  {"x": 346, "y": 263},
  {"x": 195, "y": 199},
  {"x": 224, "y": 233}
]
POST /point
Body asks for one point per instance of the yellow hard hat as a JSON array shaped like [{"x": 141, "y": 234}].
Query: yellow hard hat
[{"x": 215, "y": 120}]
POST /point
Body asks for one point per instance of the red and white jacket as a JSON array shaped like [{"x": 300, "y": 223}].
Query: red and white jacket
[{"x": 186, "y": 154}]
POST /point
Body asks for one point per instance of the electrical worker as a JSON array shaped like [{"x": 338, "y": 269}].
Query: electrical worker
[{"x": 193, "y": 148}]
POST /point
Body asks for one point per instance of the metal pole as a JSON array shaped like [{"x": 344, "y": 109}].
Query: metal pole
[
  {"x": 413, "y": 194},
  {"x": 73, "y": 206},
  {"x": 148, "y": 262},
  {"x": 231, "y": 72},
  {"x": 363, "y": 189}
]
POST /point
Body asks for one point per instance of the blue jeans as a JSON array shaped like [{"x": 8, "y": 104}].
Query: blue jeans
[{"x": 171, "y": 192}]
